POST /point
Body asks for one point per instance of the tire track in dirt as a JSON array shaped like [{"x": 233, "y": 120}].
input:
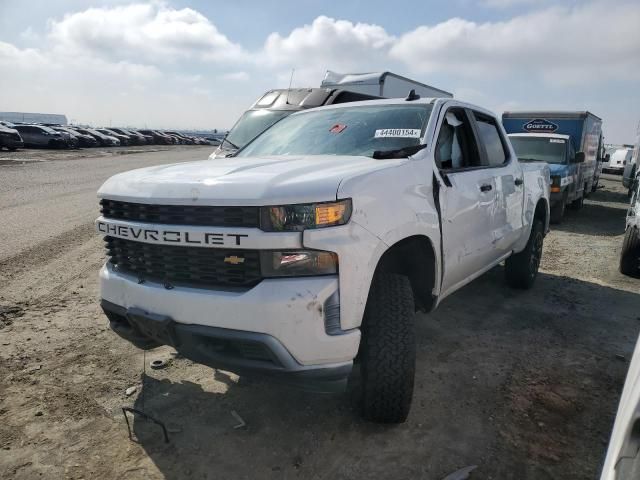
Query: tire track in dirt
[
  {"x": 37, "y": 275},
  {"x": 44, "y": 252}
]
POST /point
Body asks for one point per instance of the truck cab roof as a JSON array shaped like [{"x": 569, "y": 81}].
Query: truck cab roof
[
  {"x": 541, "y": 135},
  {"x": 303, "y": 98}
]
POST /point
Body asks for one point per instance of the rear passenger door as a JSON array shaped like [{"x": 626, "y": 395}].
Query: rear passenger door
[
  {"x": 467, "y": 196},
  {"x": 507, "y": 219}
]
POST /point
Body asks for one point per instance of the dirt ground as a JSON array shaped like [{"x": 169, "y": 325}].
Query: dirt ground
[{"x": 524, "y": 385}]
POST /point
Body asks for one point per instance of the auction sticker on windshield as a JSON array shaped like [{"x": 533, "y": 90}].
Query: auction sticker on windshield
[{"x": 398, "y": 133}]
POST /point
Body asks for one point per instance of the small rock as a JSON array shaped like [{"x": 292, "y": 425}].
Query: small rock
[
  {"x": 38, "y": 413},
  {"x": 130, "y": 391}
]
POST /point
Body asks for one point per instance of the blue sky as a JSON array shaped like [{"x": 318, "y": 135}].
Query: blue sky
[{"x": 198, "y": 64}]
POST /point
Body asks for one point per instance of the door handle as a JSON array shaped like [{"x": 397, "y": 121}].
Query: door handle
[
  {"x": 485, "y": 188},
  {"x": 518, "y": 181}
]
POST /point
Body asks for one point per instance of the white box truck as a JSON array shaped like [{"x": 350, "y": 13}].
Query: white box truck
[{"x": 381, "y": 84}]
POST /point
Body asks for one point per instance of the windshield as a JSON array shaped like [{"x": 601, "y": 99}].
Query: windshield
[
  {"x": 621, "y": 155},
  {"x": 344, "y": 131},
  {"x": 251, "y": 124},
  {"x": 542, "y": 149}
]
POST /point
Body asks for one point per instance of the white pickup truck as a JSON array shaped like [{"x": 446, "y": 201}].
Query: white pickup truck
[{"x": 311, "y": 249}]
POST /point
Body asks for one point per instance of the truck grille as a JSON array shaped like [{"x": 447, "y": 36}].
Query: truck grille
[
  {"x": 184, "y": 266},
  {"x": 199, "y": 215}
]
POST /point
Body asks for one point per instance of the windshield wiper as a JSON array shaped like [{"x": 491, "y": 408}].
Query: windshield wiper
[
  {"x": 525, "y": 159},
  {"x": 398, "y": 153},
  {"x": 233, "y": 145}
]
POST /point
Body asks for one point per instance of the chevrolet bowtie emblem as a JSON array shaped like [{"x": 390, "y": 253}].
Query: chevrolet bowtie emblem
[{"x": 233, "y": 260}]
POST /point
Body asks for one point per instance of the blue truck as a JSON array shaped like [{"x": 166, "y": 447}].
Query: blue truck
[{"x": 570, "y": 142}]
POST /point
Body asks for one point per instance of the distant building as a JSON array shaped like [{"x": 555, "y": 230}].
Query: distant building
[{"x": 22, "y": 117}]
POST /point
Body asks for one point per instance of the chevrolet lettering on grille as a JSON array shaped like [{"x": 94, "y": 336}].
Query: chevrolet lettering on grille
[{"x": 170, "y": 235}]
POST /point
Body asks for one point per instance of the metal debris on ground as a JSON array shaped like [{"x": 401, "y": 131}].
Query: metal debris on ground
[
  {"x": 461, "y": 474},
  {"x": 241, "y": 422}
]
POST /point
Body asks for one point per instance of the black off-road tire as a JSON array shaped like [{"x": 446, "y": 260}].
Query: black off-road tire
[
  {"x": 521, "y": 269},
  {"x": 557, "y": 211},
  {"x": 388, "y": 350},
  {"x": 630, "y": 255},
  {"x": 578, "y": 203}
]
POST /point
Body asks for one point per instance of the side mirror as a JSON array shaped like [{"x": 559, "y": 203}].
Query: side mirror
[
  {"x": 579, "y": 158},
  {"x": 607, "y": 157}
]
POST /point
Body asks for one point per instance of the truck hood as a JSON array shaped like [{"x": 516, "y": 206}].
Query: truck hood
[
  {"x": 558, "y": 169},
  {"x": 241, "y": 181}
]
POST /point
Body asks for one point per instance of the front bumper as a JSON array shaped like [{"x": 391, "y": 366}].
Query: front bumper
[
  {"x": 242, "y": 352},
  {"x": 293, "y": 312},
  {"x": 9, "y": 142}
]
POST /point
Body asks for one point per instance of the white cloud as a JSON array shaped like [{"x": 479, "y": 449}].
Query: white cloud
[
  {"x": 154, "y": 64},
  {"x": 504, "y": 3},
  {"x": 236, "y": 76},
  {"x": 326, "y": 44},
  {"x": 142, "y": 32},
  {"x": 564, "y": 46}
]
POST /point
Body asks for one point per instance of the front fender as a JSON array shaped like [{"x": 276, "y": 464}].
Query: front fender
[{"x": 358, "y": 254}]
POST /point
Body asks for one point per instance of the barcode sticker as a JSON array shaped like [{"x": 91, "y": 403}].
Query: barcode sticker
[{"x": 398, "y": 133}]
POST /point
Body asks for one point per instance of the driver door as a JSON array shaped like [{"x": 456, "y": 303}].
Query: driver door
[{"x": 468, "y": 200}]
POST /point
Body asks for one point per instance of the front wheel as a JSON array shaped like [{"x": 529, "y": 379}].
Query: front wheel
[
  {"x": 630, "y": 255},
  {"x": 578, "y": 203},
  {"x": 388, "y": 350},
  {"x": 521, "y": 269},
  {"x": 557, "y": 211}
]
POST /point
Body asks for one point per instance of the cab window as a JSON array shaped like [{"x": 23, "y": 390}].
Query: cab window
[
  {"x": 456, "y": 147},
  {"x": 492, "y": 140}
]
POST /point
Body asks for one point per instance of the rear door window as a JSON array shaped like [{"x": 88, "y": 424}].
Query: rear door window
[{"x": 491, "y": 139}]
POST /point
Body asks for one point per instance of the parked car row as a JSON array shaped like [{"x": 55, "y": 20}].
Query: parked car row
[{"x": 13, "y": 136}]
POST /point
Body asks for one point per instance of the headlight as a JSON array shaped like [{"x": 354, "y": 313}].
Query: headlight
[
  {"x": 298, "y": 263},
  {"x": 303, "y": 216}
]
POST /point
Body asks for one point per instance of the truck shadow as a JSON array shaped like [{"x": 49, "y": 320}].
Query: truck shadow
[
  {"x": 594, "y": 219},
  {"x": 603, "y": 214},
  {"x": 493, "y": 365}
]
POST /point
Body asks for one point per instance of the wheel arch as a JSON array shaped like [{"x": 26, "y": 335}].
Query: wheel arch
[
  {"x": 542, "y": 212},
  {"x": 414, "y": 257}
]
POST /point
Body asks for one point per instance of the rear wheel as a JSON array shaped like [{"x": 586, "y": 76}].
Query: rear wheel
[
  {"x": 630, "y": 255},
  {"x": 388, "y": 351},
  {"x": 521, "y": 269}
]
